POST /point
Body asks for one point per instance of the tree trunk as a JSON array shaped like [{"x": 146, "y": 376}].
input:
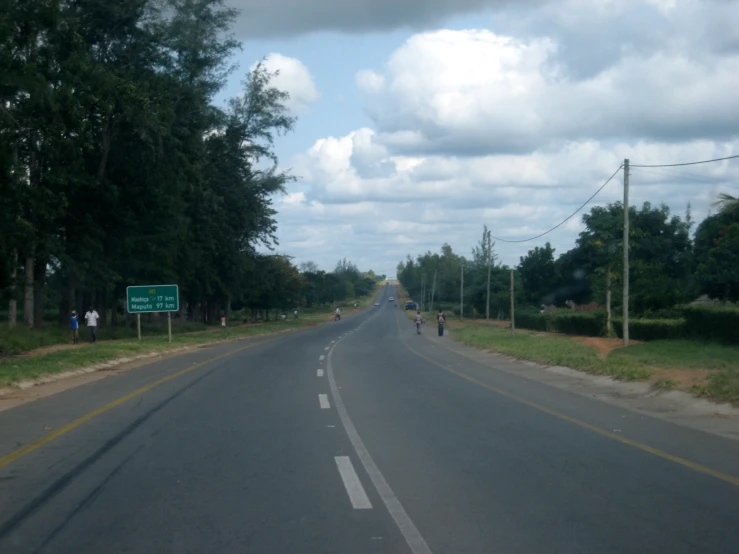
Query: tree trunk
[
  {"x": 183, "y": 305},
  {"x": 71, "y": 293},
  {"x": 39, "y": 292},
  {"x": 104, "y": 308},
  {"x": 228, "y": 308},
  {"x": 86, "y": 301},
  {"x": 609, "y": 328},
  {"x": 13, "y": 291},
  {"x": 114, "y": 310},
  {"x": 28, "y": 293}
]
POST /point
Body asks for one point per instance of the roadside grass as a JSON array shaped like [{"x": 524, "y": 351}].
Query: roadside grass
[
  {"x": 30, "y": 365},
  {"x": 722, "y": 385},
  {"x": 20, "y": 339},
  {"x": 639, "y": 362}
]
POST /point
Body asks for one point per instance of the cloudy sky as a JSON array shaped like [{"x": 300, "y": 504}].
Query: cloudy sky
[{"x": 422, "y": 120}]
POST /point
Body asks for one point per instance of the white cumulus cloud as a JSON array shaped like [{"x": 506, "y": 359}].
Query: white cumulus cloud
[
  {"x": 516, "y": 127},
  {"x": 293, "y": 78}
]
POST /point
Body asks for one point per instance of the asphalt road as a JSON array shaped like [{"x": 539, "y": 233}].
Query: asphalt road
[{"x": 354, "y": 437}]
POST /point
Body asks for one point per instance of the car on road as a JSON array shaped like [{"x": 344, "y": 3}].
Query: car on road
[
  {"x": 390, "y": 299},
  {"x": 377, "y": 303},
  {"x": 410, "y": 305}
]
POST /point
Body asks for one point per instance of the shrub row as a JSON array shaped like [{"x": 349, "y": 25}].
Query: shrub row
[
  {"x": 534, "y": 321},
  {"x": 590, "y": 324},
  {"x": 653, "y": 329},
  {"x": 714, "y": 323}
]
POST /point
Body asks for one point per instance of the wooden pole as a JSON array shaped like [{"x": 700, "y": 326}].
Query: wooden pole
[
  {"x": 626, "y": 255},
  {"x": 461, "y": 292},
  {"x": 513, "y": 318}
]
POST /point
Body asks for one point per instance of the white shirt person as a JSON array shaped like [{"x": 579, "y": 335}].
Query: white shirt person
[{"x": 91, "y": 320}]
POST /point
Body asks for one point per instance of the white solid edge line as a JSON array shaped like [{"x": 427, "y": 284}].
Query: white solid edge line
[
  {"x": 410, "y": 533},
  {"x": 319, "y": 373},
  {"x": 354, "y": 488},
  {"x": 323, "y": 401}
]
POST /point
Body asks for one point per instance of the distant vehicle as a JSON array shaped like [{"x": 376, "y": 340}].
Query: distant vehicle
[
  {"x": 410, "y": 305},
  {"x": 377, "y": 303},
  {"x": 390, "y": 299}
]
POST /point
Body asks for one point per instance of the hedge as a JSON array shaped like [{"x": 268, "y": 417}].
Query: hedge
[
  {"x": 534, "y": 321},
  {"x": 653, "y": 329},
  {"x": 590, "y": 324},
  {"x": 716, "y": 323},
  {"x": 712, "y": 323}
]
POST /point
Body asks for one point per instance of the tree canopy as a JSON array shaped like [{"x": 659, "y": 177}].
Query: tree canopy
[
  {"x": 116, "y": 167},
  {"x": 667, "y": 267}
]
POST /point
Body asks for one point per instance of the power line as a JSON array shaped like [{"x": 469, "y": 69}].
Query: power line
[
  {"x": 568, "y": 217},
  {"x": 689, "y": 163},
  {"x": 688, "y": 177}
]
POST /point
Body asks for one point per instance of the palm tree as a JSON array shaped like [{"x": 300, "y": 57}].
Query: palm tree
[{"x": 726, "y": 203}]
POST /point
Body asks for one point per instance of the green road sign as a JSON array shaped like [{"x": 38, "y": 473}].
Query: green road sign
[{"x": 152, "y": 298}]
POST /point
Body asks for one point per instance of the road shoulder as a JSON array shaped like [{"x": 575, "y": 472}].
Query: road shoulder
[{"x": 669, "y": 405}]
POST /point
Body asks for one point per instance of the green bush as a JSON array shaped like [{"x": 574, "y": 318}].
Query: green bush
[
  {"x": 533, "y": 320},
  {"x": 652, "y": 329},
  {"x": 590, "y": 324},
  {"x": 717, "y": 323},
  {"x": 664, "y": 313}
]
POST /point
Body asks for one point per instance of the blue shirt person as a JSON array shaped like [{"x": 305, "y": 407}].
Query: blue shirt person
[{"x": 74, "y": 325}]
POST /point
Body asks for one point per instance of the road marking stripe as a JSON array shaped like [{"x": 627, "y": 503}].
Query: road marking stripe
[
  {"x": 30, "y": 447},
  {"x": 354, "y": 488},
  {"x": 327, "y": 348},
  {"x": 410, "y": 533},
  {"x": 319, "y": 373},
  {"x": 321, "y": 357},
  {"x": 323, "y": 401},
  {"x": 615, "y": 436}
]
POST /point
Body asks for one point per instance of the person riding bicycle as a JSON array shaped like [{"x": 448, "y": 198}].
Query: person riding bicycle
[{"x": 418, "y": 322}]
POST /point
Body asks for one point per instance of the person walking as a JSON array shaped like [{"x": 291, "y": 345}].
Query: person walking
[
  {"x": 295, "y": 313},
  {"x": 74, "y": 325},
  {"x": 337, "y": 314},
  {"x": 418, "y": 322},
  {"x": 91, "y": 320},
  {"x": 441, "y": 321}
]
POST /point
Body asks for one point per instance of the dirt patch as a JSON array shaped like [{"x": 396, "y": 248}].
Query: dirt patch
[
  {"x": 602, "y": 345},
  {"x": 684, "y": 378}
]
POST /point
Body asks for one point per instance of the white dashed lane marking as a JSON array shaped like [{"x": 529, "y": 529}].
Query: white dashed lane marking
[{"x": 354, "y": 488}]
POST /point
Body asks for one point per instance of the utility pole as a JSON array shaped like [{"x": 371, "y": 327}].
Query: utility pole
[
  {"x": 433, "y": 290},
  {"x": 487, "y": 302},
  {"x": 513, "y": 317},
  {"x": 626, "y": 255},
  {"x": 461, "y": 291},
  {"x": 423, "y": 292}
]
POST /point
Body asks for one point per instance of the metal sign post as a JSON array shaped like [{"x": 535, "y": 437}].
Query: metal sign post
[{"x": 153, "y": 299}]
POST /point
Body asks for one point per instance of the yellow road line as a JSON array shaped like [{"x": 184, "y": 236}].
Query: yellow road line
[
  {"x": 30, "y": 447},
  {"x": 620, "y": 438}
]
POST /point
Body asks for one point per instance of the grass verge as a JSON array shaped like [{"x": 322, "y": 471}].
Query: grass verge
[
  {"x": 67, "y": 357},
  {"x": 664, "y": 362},
  {"x": 23, "y": 368}
]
